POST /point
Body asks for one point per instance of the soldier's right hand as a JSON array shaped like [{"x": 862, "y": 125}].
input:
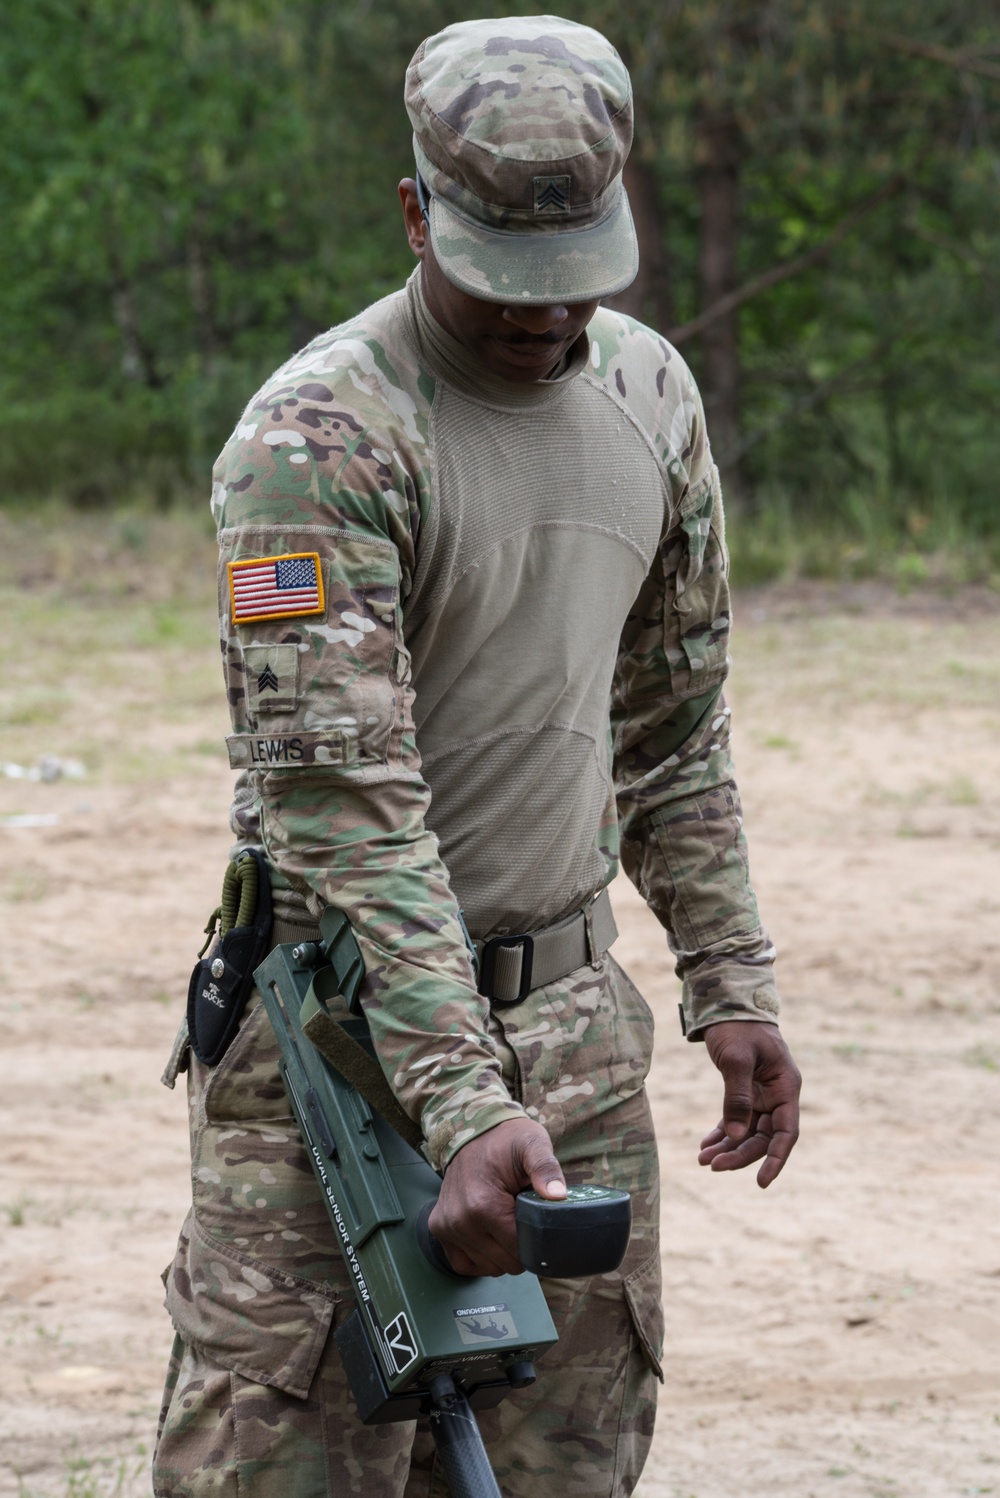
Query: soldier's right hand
[{"x": 474, "y": 1215}]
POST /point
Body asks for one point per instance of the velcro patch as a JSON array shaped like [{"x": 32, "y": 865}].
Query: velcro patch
[
  {"x": 272, "y": 674},
  {"x": 289, "y": 751},
  {"x": 552, "y": 194},
  {"x": 284, "y": 587}
]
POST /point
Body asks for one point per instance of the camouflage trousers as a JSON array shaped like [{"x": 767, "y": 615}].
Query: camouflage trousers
[{"x": 256, "y": 1404}]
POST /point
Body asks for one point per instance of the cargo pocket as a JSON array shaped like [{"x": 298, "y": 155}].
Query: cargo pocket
[
  {"x": 268, "y": 1326},
  {"x": 697, "y": 617},
  {"x": 643, "y": 1295},
  {"x": 254, "y": 1191},
  {"x": 630, "y": 1034}
]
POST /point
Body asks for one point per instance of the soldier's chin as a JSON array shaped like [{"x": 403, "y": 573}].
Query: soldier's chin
[{"x": 523, "y": 361}]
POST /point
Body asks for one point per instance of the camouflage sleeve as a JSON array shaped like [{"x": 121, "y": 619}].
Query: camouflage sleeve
[
  {"x": 682, "y": 841},
  {"x": 322, "y": 719}
]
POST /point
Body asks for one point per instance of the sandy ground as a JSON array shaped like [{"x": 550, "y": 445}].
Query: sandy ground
[{"x": 837, "y": 1335}]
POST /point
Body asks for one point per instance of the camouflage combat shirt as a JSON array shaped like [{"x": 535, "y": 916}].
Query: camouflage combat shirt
[{"x": 474, "y": 636}]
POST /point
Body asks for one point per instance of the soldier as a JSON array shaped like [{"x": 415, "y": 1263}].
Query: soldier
[{"x": 474, "y": 619}]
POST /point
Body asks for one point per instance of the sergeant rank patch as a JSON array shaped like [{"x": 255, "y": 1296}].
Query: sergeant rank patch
[
  {"x": 272, "y": 673},
  {"x": 284, "y": 587}
]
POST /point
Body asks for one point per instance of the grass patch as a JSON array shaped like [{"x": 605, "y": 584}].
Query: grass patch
[
  {"x": 123, "y": 1476},
  {"x": 25, "y": 885},
  {"x": 777, "y": 544},
  {"x": 797, "y": 647},
  {"x": 962, "y": 791},
  {"x": 779, "y": 741},
  {"x": 854, "y": 1054},
  {"x": 15, "y": 1211},
  {"x": 30, "y": 708},
  {"x": 61, "y": 553},
  {"x": 120, "y": 611}
]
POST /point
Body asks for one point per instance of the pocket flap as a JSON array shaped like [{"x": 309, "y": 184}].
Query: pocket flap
[
  {"x": 643, "y": 1294},
  {"x": 268, "y": 1326}
]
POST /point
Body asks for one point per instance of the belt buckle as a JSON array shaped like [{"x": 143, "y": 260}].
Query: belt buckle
[{"x": 488, "y": 963}]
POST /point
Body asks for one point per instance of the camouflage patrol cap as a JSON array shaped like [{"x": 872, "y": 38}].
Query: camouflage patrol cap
[{"x": 521, "y": 129}]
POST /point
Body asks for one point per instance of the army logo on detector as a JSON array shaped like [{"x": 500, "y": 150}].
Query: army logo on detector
[
  {"x": 479, "y": 1324},
  {"x": 401, "y": 1342}
]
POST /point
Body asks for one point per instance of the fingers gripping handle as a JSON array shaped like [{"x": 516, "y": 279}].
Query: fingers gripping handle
[{"x": 585, "y": 1233}]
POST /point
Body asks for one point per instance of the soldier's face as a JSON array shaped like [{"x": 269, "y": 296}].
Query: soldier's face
[{"x": 517, "y": 343}]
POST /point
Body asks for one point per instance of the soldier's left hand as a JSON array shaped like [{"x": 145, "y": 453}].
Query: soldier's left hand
[{"x": 760, "y": 1113}]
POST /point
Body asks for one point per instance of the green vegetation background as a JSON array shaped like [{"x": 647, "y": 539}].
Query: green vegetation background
[{"x": 189, "y": 189}]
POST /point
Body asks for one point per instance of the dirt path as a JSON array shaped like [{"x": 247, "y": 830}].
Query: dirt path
[{"x": 838, "y": 1335}]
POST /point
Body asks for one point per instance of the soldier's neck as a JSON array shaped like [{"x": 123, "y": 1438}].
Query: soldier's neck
[{"x": 454, "y": 363}]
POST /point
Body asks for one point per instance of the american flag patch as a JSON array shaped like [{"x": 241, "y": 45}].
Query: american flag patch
[{"x": 276, "y": 587}]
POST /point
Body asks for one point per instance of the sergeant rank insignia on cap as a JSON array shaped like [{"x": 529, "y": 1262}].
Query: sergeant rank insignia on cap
[
  {"x": 552, "y": 194},
  {"x": 276, "y": 587}
]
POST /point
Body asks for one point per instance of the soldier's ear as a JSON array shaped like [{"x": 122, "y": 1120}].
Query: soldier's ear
[{"x": 413, "y": 217}]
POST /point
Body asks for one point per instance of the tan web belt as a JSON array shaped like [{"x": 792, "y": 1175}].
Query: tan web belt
[{"x": 511, "y": 966}]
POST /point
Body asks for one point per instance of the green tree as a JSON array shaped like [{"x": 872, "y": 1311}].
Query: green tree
[{"x": 191, "y": 188}]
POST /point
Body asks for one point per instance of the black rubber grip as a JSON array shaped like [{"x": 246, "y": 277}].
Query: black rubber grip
[
  {"x": 429, "y": 1246},
  {"x": 463, "y": 1456}
]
